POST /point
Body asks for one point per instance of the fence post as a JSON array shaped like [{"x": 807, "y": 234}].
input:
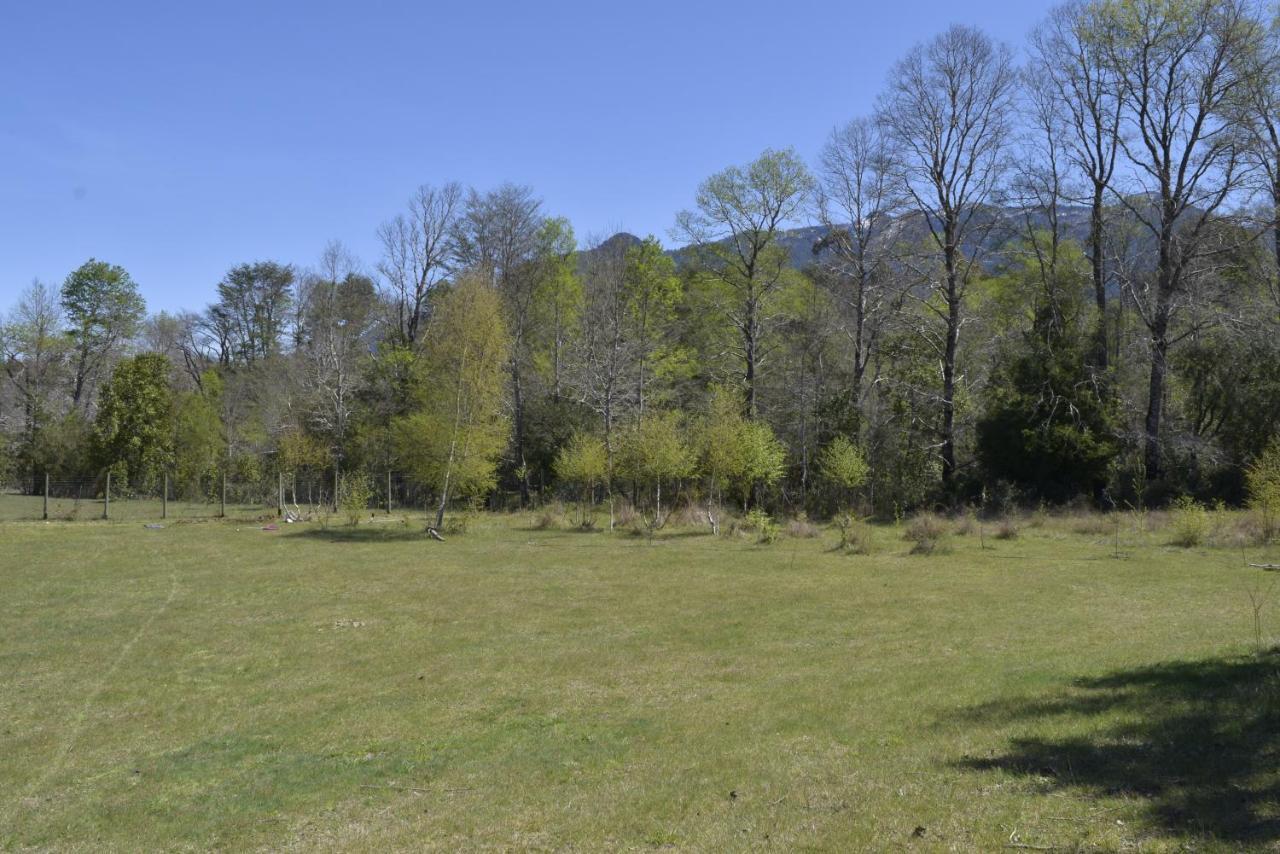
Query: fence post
[
  {"x": 164, "y": 498},
  {"x": 335, "y": 487},
  {"x": 279, "y": 493},
  {"x": 45, "y": 516},
  {"x": 388, "y": 492},
  {"x": 106, "y": 498},
  {"x": 222, "y": 505}
]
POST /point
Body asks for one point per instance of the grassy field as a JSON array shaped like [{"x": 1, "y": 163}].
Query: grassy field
[{"x": 217, "y": 685}]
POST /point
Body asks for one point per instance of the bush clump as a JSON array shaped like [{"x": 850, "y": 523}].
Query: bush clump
[
  {"x": 354, "y": 494},
  {"x": 1191, "y": 523},
  {"x": 1263, "y": 482},
  {"x": 801, "y": 528},
  {"x": 767, "y": 531},
  {"x": 855, "y": 534},
  {"x": 926, "y": 531},
  {"x": 1007, "y": 529}
]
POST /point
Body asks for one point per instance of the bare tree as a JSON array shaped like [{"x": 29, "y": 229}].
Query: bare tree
[
  {"x": 417, "y": 249},
  {"x": 1177, "y": 70},
  {"x": 604, "y": 352},
  {"x": 337, "y": 303},
  {"x": 1077, "y": 87},
  {"x": 741, "y": 212},
  {"x": 34, "y": 350},
  {"x": 857, "y": 200},
  {"x": 1258, "y": 115},
  {"x": 1039, "y": 186},
  {"x": 948, "y": 111}
]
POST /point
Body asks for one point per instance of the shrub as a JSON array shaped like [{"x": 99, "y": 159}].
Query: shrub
[
  {"x": 1262, "y": 479},
  {"x": 1191, "y": 523},
  {"x": 855, "y": 534},
  {"x": 690, "y": 515},
  {"x": 551, "y": 518},
  {"x": 1007, "y": 529},
  {"x": 766, "y": 529},
  {"x": 801, "y": 528},
  {"x": 1092, "y": 524},
  {"x": 843, "y": 465},
  {"x": 926, "y": 531},
  {"x": 583, "y": 462},
  {"x": 354, "y": 494},
  {"x": 458, "y": 524}
]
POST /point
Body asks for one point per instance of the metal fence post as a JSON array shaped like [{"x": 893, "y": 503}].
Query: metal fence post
[
  {"x": 106, "y": 498},
  {"x": 335, "y": 487},
  {"x": 279, "y": 493},
  {"x": 222, "y": 505},
  {"x": 45, "y": 516},
  {"x": 164, "y": 498},
  {"x": 388, "y": 492}
]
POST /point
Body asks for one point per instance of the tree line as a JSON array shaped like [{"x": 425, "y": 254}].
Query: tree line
[{"x": 1044, "y": 277}]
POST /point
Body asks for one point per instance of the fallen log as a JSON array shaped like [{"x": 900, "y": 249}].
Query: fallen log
[{"x": 1270, "y": 567}]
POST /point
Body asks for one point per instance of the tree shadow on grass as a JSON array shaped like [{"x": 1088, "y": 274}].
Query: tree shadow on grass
[
  {"x": 369, "y": 534},
  {"x": 1198, "y": 742}
]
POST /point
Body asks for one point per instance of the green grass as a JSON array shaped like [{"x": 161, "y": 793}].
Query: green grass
[{"x": 216, "y": 685}]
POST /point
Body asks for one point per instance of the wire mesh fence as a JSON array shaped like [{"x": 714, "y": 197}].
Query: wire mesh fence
[
  {"x": 291, "y": 496},
  {"x": 306, "y": 495}
]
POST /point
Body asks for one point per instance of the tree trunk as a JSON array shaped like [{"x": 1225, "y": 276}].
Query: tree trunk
[
  {"x": 518, "y": 419},
  {"x": 750, "y": 344},
  {"x": 1155, "y": 400},
  {"x": 1100, "y": 349},
  {"x": 949, "y": 368},
  {"x": 1159, "y": 369}
]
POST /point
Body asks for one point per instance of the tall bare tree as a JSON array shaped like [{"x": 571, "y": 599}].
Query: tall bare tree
[
  {"x": 34, "y": 351},
  {"x": 1258, "y": 116},
  {"x": 948, "y": 111},
  {"x": 417, "y": 247},
  {"x": 1078, "y": 88},
  {"x": 1176, "y": 65},
  {"x": 337, "y": 303},
  {"x": 857, "y": 200}
]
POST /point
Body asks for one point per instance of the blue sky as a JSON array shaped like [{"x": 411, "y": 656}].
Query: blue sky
[{"x": 178, "y": 139}]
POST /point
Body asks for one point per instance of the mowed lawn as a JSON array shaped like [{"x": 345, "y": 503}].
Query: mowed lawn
[{"x": 215, "y": 685}]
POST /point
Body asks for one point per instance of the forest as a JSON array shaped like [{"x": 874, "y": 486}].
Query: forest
[{"x": 1039, "y": 275}]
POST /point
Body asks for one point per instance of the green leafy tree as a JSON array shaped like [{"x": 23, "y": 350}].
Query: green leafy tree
[
  {"x": 134, "y": 429},
  {"x": 454, "y": 439},
  {"x": 557, "y": 301},
  {"x": 1045, "y": 429},
  {"x": 1263, "y": 481},
  {"x": 654, "y": 452},
  {"x": 253, "y": 305},
  {"x": 843, "y": 466},
  {"x": 199, "y": 446},
  {"x": 103, "y": 309},
  {"x": 739, "y": 453},
  {"x": 583, "y": 462},
  {"x": 652, "y": 293},
  {"x": 735, "y": 228},
  {"x": 1049, "y": 426}
]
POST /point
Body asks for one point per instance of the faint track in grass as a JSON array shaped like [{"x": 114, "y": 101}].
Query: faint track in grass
[{"x": 78, "y": 726}]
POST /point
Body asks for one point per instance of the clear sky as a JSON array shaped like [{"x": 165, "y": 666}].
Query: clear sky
[{"x": 177, "y": 139}]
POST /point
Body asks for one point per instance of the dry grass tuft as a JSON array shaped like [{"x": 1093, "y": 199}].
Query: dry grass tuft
[{"x": 926, "y": 531}]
